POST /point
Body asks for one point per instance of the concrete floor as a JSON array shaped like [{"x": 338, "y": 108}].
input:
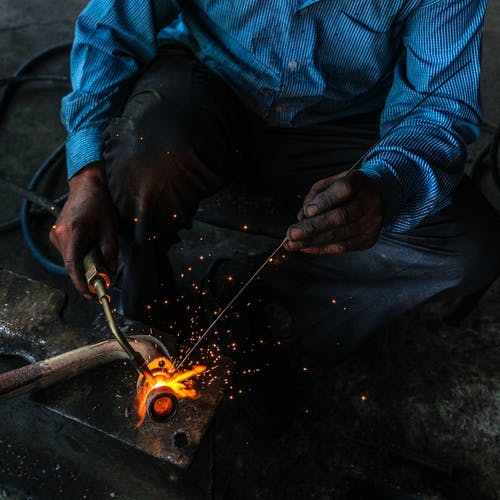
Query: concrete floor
[{"x": 431, "y": 388}]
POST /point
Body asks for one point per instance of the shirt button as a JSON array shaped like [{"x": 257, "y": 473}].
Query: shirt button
[
  {"x": 278, "y": 108},
  {"x": 293, "y": 64},
  {"x": 304, "y": 11}
]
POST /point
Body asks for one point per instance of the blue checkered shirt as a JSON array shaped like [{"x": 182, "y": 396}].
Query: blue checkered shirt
[{"x": 298, "y": 62}]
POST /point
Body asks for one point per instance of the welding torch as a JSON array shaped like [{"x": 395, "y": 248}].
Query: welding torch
[{"x": 98, "y": 281}]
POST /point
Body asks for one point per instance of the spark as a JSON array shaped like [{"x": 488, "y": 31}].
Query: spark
[{"x": 231, "y": 302}]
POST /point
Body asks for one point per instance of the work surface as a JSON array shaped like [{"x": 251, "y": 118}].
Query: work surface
[{"x": 420, "y": 397}]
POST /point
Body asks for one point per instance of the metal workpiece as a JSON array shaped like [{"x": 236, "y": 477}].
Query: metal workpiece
[
  {"x": 162, "y": 404},
  {"x": 43, "y": 374},
  {"x": 101, "y": 399}
]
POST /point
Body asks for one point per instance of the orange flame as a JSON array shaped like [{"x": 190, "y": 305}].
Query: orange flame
[{"x": 179, "y": 382}]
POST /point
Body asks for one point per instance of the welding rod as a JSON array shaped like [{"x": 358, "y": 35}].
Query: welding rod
[
  {"x": 232, "y": 301},
  {"x": 280, "y": 246},
  {"x": 98, "y": 282}
]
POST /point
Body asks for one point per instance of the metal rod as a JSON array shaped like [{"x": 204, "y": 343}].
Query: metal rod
[
  {"x": 232, "y": 301},
  {"x": 43, "y": 374},
  {"x": 418, "y": 104}
]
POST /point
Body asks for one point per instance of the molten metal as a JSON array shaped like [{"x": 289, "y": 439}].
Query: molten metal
[
  {"x": 160, "y": 400},
  {"x": 161, "y": 404}
]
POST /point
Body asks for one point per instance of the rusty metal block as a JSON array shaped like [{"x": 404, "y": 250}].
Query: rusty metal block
[{"x": 30, "y": 327}]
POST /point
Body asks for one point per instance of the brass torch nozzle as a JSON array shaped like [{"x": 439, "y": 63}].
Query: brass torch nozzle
[
  {"x": 96, "y": 274},
  {"x": 98, "y": 282}
]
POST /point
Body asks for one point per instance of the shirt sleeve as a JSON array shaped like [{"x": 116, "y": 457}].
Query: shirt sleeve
[
  {"x": 422, "y": 160},
  {"x": 113, "y": 40}
]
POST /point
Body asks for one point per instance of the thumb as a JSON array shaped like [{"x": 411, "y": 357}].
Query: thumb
[{"x": 108, "y": 245}]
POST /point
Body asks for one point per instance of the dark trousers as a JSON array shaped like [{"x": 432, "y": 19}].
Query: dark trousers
[{"x": 184, "y": 130}]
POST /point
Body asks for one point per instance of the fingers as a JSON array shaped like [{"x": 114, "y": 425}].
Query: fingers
[
  {"x": 340, "y": 214},
  {"x": 108, "y": 245},
  {"x": 88, "y": 219},
  {"x": 361, "y": 242},
  {"x": 337, "y": 235},
  {"x": 73, "y": 262},
  {"x": 72, "y": 246},
  {"x": 339, "y": 192},
  {"x": 334, "y": 223},
  {"x": 316, "y": 188}
]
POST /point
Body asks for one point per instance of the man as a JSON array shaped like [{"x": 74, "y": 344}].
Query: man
[{"x": 170, "y": 103}]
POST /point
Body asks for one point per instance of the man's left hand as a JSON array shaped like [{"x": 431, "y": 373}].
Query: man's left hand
[{"x": 339, "y": 214}]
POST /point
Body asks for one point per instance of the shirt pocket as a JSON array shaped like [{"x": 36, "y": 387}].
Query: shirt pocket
[
  {"x": 363, "y": 48},
  {"x": 372, "y": 17}
]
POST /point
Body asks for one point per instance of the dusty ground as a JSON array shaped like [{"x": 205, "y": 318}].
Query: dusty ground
[{"x": 429, "y": 389}]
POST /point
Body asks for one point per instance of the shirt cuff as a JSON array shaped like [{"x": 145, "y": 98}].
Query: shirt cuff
[
  {"x": 83, "y": 147},
  {"x": 390, "y": 190}
]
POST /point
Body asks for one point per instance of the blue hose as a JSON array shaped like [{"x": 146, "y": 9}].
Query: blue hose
[
  {"x": 25, "y": 210},
  {"x": 10, "y": 87}
]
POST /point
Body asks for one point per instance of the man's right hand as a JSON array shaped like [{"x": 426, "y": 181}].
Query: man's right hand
[{"x": 87, "y": 219}]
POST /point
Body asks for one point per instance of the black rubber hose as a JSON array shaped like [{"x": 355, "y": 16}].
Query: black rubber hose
[
  {"x": 43, "y": 202},
  {"x": 25, "y": 209},
  {"x": 34, "y": 78},
  {"x": 27, "y": 66},
  {"x": 9, "y": 88},
  {"x": 15, "y": 222}
]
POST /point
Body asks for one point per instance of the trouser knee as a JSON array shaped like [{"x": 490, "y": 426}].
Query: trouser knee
[{"x": 156, "y": 190}]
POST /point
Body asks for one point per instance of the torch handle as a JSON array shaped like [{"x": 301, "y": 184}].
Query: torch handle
[
  {"x": 98, "y": 281},
  {"x": 95, "y": 270}
]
